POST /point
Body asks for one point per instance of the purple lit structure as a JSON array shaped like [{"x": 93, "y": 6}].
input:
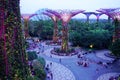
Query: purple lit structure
[
  {"x": 88, "y": 15},
  {"x": 98, "y": 15},
  {"x": 115, "y": 15},
  {"x": 26, "y": 18},
  {"x": 55, "y": 20},
  {"x": 65, "y": 16},
  {"x": 106, "y": 11}
]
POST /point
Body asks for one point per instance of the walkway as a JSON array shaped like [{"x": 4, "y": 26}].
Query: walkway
[
  {"x": 92, "y": 72},
  {"x": 60, "y": 72},
  {"x": 107, "y": 76},
  {"x": 101, "y": 54}
]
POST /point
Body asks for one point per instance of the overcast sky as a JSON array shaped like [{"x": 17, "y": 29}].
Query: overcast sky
[{"x": 31, "y": 6}]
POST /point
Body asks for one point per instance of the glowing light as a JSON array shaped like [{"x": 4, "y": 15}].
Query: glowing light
[
  {"x": 91, "y": 46},
  {"x": 66, "y": 17}
]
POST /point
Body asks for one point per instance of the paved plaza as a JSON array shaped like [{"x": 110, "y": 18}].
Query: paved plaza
[
  {"x": 62, "y": 72},
  {"x": 68, "y": 69},
  {"x": 107, "y": 76}
]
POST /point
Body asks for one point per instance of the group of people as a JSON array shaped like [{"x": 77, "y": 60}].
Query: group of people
[
  {"x": 49, "y": 72},
  {"x": 82, "y": 60}
]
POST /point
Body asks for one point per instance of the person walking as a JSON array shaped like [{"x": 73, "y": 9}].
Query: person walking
[{"x": 60, "y": 60}]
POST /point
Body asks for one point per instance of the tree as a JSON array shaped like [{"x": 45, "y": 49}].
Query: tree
[{"x": 32, "y": 55}]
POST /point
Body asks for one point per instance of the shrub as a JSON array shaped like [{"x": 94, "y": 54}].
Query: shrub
[
  {"x": 42, "y": 61},
  {"x": 32, "y": 78},
  {"x": 38, "y": 67},
  {"x": 32, "y": 55}
]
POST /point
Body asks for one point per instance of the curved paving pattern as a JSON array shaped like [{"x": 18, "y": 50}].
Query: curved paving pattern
[
  {"x": 101, "y": 55},
  {"x": 60, "y": 72},
  {"x": 107, "y": 76},
  {"x": 69, "y": 67},
  {"x": 47, "y": 53}
]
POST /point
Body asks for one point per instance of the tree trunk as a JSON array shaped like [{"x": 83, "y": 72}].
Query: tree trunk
[
  {"x": 117, "y": 29},
  {"x": 55, "y": 33},
  {"x": 64, "y": 46},
  {"x": 26, "y": 32}
]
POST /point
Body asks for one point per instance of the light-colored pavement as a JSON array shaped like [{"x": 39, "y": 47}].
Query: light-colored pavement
[
  {"x": 107, "y": 76},
  {"x": 80, "y": 73},
  {"x": 101, "y": 54},
  {"x": 47, "y": 53},
  {"x": 60, "y": 72}
]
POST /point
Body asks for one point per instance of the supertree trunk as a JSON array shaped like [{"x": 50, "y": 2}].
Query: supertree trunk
[
  {"x": 26, "y": 28},
  {"x": 64, "y": 46},
  {"x": 12, "y": 43},
  {"x": 117, "y": 29},
  {"x": 55, "y": 33}
]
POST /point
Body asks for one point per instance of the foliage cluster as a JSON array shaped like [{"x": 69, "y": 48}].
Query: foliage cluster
[
  {"x": 38, "y": 66},
  {"x": 32, "y": 55},
  {"x": 80, "y": 33}
]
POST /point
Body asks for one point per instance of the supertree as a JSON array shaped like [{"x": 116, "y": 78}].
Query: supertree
[
  {"x": 98, "y": 16},
  {"x": 88, "y": 15},
  {"x": 112, "y": 13},
  {"x": 115, "y": 15},
  {"x": 55, "y": 20},
  {"x": 65, "y": 16},
  {"x": 106, "y": 11},
  {"x": 26, "y": 18},
  {"x": 13, "y": 59}
]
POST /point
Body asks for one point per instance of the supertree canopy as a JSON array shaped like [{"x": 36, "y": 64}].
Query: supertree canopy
[
  {"x": 106, "y": 11},
  {"x": 65, "y": 16},
  {"x": 97, "y": 15},
  {"x": 55, "y": 19},
  {"x": 26, "y": 18},
  {"x": 88, "y": 15},
  {"x": 40, "y": 15}
]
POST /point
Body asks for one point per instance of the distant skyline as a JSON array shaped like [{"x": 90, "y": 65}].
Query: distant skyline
[{"x": 31, "y": 6}]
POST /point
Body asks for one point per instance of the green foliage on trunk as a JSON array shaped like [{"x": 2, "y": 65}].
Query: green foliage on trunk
[
  {"x": 115, "y": 48},
  {"x": 12, "y": 43}
]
